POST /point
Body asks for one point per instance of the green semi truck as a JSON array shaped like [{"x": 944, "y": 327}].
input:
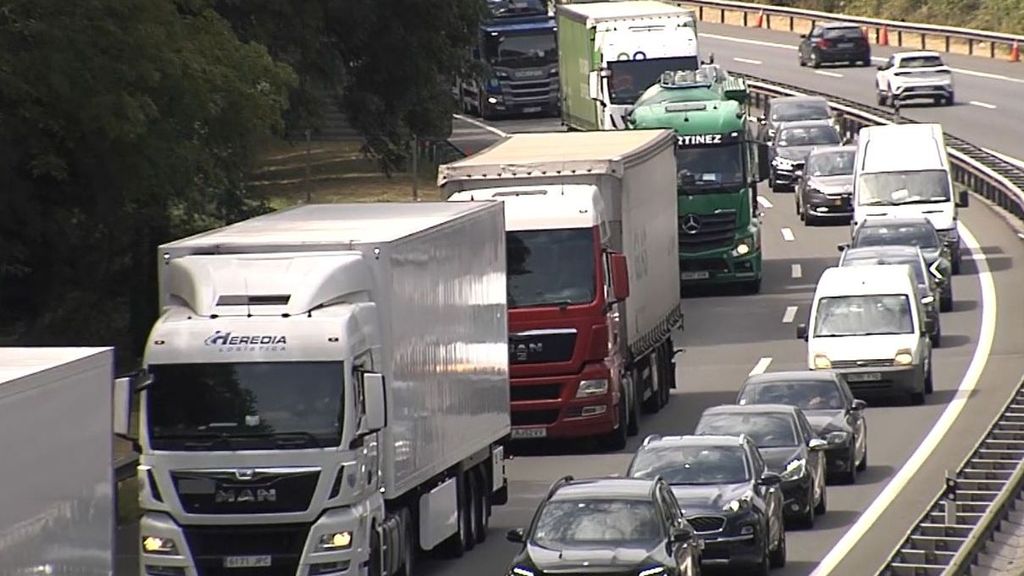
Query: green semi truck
[{"x": 719, "y": 163}]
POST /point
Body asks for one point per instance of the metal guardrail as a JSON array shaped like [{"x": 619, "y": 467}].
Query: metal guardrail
[
  {"x": 1002, "y": 183},
  {"x": 997, "y": 43}
]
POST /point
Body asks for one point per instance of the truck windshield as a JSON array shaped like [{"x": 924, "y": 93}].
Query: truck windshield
[
  {"x": 245, "y": 406},
  {"x": 522, "y": 49},
  {"x": 706, "y": 169},
  {"x": 631, "y": 78},
  {"x": 895, "y": 188},
  {"x": 550, "y": 267}
]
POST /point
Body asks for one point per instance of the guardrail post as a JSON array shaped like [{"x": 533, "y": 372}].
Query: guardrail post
[{"x": 949, "y": 496}]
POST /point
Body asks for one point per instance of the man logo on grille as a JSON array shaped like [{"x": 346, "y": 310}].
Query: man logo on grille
[{"x": 691, "y": 224}]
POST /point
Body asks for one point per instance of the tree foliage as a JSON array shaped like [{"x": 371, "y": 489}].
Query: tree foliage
[{"x": 995, "y": 15}]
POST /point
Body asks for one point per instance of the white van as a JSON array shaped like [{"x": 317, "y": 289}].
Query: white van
[
  {"x": 902, "y": 170},
  {"x": 868, "y": 324}
]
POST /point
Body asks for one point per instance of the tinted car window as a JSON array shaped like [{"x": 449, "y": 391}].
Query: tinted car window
[
  {"x": 851, "y": 33},
  {"x": 821, "y": 395},
  {"x": 692, "y": 464},
  {"x": 920, "y": 236},
  {"x": 808, "y": 136},
  {"x": 573, "y": 523},
  {"x": 767, "y": 430},
  {"x": 870, "y": 260},
  {"x": 921, "y": 62}
]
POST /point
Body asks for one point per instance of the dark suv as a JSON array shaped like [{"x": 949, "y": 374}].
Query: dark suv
[
  {"x": 835, "y": 42},
  {"x": 727, "y": 495},
  {"x": 611, "y": 526}
]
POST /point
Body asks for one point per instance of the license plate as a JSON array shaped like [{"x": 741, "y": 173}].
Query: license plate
[
  {"x": 846, "y": 44},
  {"x": 694, "y": 275},
  {"x": 531, "y": 109},
  {"x": 247, "y": 562},
  {"x": 523, "y": 433},
  {"x": 864, "y": 377}
]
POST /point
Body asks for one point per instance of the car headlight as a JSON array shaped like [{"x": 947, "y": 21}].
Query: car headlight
[
  {"x": 781, "y": 162},
  {"x": 904, "y": 357},
  {"x": 158, "y": 545},
  {"x": 590, "y": 388},
  {"x": 927, "y": 300},
  {"x": 653, "y": 571},
  {"x": 837, "y": 437},
  {"x": 336, "y": 541},
  {"x": 821, "y": 362},
  {"x": 795, "y": 469},
  {"x": 737, "y": 505},
  {"x": 520, "y": 571}
]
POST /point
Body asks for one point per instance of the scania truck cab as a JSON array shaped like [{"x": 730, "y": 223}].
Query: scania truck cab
[{"x": 718, "y": 163}]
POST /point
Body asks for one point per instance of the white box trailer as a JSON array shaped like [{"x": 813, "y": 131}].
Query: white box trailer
[
  {"x": 623, "y": 183},
  {"x": 327, "y": 385},
  {"x": 57, "y": 511}
]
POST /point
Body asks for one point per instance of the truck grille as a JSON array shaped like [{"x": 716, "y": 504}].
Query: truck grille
[
  {"x": 266, "y": 492},
  {"x": 698, "y": 264},
  {"x": 534, "y": 417},
  {"x": 211, "y": 544},
  {"x": 876, "y": 363},
  {"x": 541, "y": 346},
  {"x": 528, "y": 392},
  {"x": 705, "y": 524},
  {"x": 703, "y": 232}
]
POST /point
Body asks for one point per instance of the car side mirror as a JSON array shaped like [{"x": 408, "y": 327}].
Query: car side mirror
[
  {"x": 817, "y": 444},
  {"x": 516, "y": 535},
  {"x": 842, "y": 247},
  {"x": 859, "y": 404},
  {"x": 769, "y": 479},
  {"x": 963, "y": 199},
  {"x": 763, "y": 161},
  {"x": 801, "y": 331},
  {"x": 682, "y": 534},
  {"x": 620, "y": 276},
  {"x": 929, "y": 325},
  {"x": 375, "y": 398},
  {"x": 125, "y": 391},
  {"x": 881, "y": 67}
]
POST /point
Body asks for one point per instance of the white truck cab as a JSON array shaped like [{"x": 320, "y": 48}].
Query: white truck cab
[
  {"x": 903, "y": 171},
  {"x": 867, "y": 323}
]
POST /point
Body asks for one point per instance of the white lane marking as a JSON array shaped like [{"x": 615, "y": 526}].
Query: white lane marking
[
  {"x": 748, "y": 61},
  {"x": 987, "y": 75},
  {"x": 1015, "y": 161},
  {"x": 480, "y": 124},
  {"x": 986, "y": 334},
  {"x": 764, "y": 202},
  {"x": 982, "y": 104},
  {"x": 1020, "y": 235},
  {"x": 827, "y": 73},
  {"x": 761, "y": 366},
  {"x": 796, "y": 271},
  {"x": 788, "y": 316},
  {"x": 787, "y": 235}
]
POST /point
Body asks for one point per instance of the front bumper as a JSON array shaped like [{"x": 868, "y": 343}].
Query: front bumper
[
  {"x": 821, "y": 206},
  {"x": 951, "y": 239},
  {"x": 717, "y": 268},
  {"x": 546, "y": 407},
  {"x": 839, "y": 458},
  {"x": 728, "y": 546},
  {"x": 509, "y": 105},
  {"x": 887, "y": 379},
  {"x": 796, "y": 496},
  {"x": 785, "y": 174}
]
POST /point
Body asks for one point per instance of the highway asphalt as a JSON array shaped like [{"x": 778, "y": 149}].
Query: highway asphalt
[{"x": 726, "y": 337}]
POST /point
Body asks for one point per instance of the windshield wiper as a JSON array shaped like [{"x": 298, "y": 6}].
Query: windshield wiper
[
  {"x": 198, "y": 439},
  {"x": 876, "y": 202},
  {"x": 282, "y": 437}
]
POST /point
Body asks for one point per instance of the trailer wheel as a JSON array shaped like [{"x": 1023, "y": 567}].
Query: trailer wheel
[
  {"x": 457, "y": 544},
  {"x": 653, "y": 404},
  {"x": 668, "y": 368},
  {"x": 482, "y": 507},
  {"x": 409, "y": 545},
  {"x": 471, "y": 502}
]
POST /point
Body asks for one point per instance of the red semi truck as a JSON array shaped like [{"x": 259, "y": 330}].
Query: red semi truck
[{"x": 593, "y": 283}]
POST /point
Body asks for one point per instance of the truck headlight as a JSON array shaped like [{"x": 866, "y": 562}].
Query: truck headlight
[
  {"x": 821, "y": 362},
  {"x": 927, "y": 299},
  {"x": 904, "y": 357},
  {"x": 837, "y": 437},
  {"x": 158, "y": 545},
  {"x": 336, "y": 541},
  {"x": 590, "y": 388},
  {"x": 795, "y": 469}
]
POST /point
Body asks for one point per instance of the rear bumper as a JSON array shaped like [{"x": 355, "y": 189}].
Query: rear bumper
[
  {"x": 845, "y": 55},
  {"x": 910, "y": 91},
  {"x": 719, "y": 268}
]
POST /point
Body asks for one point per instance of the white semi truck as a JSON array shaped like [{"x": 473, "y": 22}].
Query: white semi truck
[
  {"x": 326, "y": 391},
  {"x": 57, "y": 512},
  {"x": 593, "y": 282}
]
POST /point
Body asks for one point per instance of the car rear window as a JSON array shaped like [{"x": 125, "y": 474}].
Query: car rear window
[
  {"x": 921, "y": 62},
  {"x": 851, "y": 33}
]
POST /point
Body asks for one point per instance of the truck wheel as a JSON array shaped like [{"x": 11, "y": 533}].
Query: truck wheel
[
  {"x": 374, "y": 562},
  {"x": 469, "y": 501},
  {"x": 633, "y": 415},
  {"x": 456, "y": 544},
  {"x": 616, "y": 439}
]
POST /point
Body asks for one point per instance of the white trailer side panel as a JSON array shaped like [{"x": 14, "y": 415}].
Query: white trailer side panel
[{"x": 56, "y": 476}]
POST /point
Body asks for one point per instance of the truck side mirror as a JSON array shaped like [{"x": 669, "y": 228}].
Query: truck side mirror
[
  {"x": 594, "y": 85},
  {"x": 763, "y": 162},
  {"x": 963, "y": 199},
  {"x": 123, "y": 407},
  {"x": 376, "y": 402},
  {"x": 801, "y": 331},
  {"x": 620, "y": 276}
]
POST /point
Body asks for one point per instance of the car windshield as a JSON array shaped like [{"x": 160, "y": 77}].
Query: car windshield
[
  {"x": 851, "y": 33},
  {"x": 683, "y": 465},
  {"x": 807, "y": 136},
  {"x": 709, "y": 167},
  {"x": 895, "y": 188},
  {"x": 873, "y": 260},
  {"x": 250, "y": 406},
  {"x": 805, "y": 394},
  {"x": 923, "y": 236},
  {"x": 799, "y": 110},
  {"x": 863, "y": 315},
  {"x": 631, "y": 78},
  {"x": 597, "y": 522},
  {"x": 521, "y": 49},
  {"x": 921, "y": 62},
  {"x": 833, "y": 163},
  {"x": 767, "y": 430},
  {"x": 550, "y": 267}
]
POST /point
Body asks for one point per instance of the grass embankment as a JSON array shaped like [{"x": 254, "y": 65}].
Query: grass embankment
[{"x": 337, "y": 172}]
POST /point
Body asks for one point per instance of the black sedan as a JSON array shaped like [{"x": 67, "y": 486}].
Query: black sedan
[
  {"x": 836, "y": 416},
  {"x": 789, "y": 446},
  {"x": 790, "y": 147},
  {"x": 824, "y": 188},
  {"x": 608, "y": 526},
  {"x": 910, "y": 232},
  {"x": 727, "y": 494}
]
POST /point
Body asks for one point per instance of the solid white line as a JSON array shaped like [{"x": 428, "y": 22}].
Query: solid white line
[
  {"x": 982, "y": 104},
  {"x": 480, "y": 124},
  {"x": 827, "y": 73},
  {"x": 986, "y": 334},
  {"x": 797, "y": 271},
  {"x": 748, "y": 61},
  {"x": 788, "y": 316},
  {"x": 1016, "y": 161},
  {"x": 787, "y": 235},
  {"x": 761, "y": 366},
  {"x": 764, "y": 202}
]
